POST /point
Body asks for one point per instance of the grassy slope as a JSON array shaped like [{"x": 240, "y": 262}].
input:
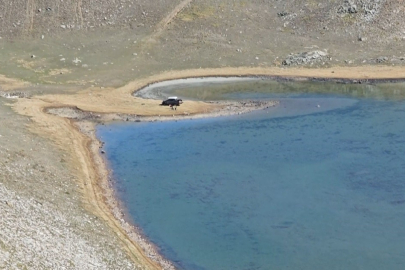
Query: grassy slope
[{"x": 115, "y": 40}]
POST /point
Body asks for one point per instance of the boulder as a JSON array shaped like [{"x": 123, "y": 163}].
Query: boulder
[
  {"x": 348, "y": 7},
  {"x": 305, "y": 58},
  {"x": 382, "y": 59}
]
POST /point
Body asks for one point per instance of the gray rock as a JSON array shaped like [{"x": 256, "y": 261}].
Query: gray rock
[
  {"x": 382, "y": 59},
  {"x": 352, "y": 9},
  {"x": 348, "y": 7},
  {"x": 305, "y": 58}
]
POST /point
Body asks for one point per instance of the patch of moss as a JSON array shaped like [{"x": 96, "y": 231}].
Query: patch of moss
[
  {"x": 196, "y": 12},
  {"x": 349, "y": 18}
]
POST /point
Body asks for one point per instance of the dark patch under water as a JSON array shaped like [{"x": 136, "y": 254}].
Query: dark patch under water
[{"x": 299, "y": 186}]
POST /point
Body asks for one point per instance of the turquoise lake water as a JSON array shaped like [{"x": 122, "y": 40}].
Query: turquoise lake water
[{"x": 299, "y": 186}]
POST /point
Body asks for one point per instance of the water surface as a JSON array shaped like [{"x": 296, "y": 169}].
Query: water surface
[{"x": 316, "y": 183}]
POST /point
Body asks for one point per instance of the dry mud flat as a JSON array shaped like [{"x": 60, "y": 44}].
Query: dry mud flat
[{"x": 58, "y": 209}]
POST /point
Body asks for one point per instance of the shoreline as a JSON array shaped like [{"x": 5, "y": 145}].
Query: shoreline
[
  {"x": 130, "y": 231},
  {"x": 86, "y": 124},
  {"x": 80, "y": 143},
  {"x": 212, "y": 79}
]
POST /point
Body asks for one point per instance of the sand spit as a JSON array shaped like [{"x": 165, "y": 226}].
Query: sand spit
[
  {"x": 148, "y": 92},
  {"x": 69, "y": 122}
]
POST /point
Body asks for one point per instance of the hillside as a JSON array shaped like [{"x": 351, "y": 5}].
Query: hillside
[{"x": 108, "y": 42}]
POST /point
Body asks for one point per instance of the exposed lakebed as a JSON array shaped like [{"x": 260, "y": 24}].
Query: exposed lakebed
[{"x": 314, "y": 183}]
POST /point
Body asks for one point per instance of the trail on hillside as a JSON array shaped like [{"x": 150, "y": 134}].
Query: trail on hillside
[
  {"x": 162, "y": 25},
  {"x": 167, "y": 20},
  {"x": 30, "y": 15}
]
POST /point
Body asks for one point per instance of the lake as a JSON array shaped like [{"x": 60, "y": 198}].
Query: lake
[{"x": 314, "y": 183}]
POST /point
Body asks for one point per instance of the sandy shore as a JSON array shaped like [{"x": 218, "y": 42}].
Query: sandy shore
[{"x": 72, "y": 119}]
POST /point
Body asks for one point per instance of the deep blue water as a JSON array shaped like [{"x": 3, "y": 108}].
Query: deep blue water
[{"x": 294, "y": 187}]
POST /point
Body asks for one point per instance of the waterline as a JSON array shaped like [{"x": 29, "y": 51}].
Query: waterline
[{"x": 308, "y": 190}]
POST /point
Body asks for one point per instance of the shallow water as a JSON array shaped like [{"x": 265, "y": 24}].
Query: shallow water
[{"x": 299, "y": 186}]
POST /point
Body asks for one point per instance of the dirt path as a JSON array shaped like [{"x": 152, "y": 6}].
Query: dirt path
[
  {"x": 161, "y": 26},
  {"x": 30, "y": 15}
]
